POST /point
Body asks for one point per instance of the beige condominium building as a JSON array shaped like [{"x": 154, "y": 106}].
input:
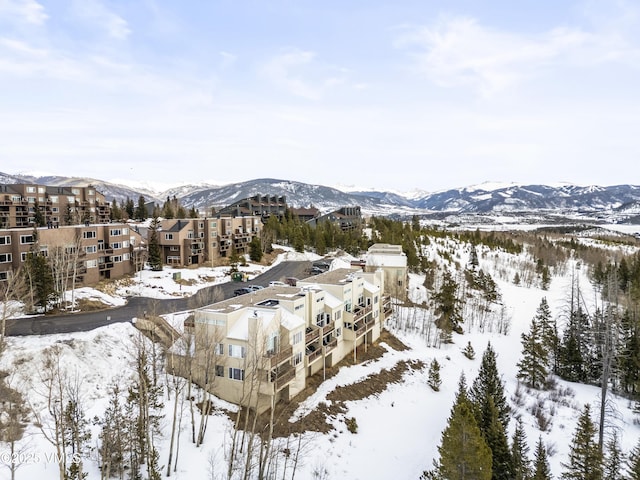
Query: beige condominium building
[
  {"x": 88, "y": 252},
  {"x": 259, "y": 348},
  {"x": 194, "y": 241}
]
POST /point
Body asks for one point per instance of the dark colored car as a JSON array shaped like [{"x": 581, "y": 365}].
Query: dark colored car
[{"x": 242, "y": 291}]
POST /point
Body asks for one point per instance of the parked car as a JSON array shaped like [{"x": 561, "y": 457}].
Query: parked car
[
  {"x": 316, "y": 271},
  {"x": 242, "y": 291},
  {"x": 291, "y": 281},
  {"x": 277, "y": 283},
  {"x": 255, "y": 287},
  {"x": 321, "y": 265}
]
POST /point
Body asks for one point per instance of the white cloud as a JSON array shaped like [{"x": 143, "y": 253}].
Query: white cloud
[
  {"x": 99, "y": 15},
  {"x": 28, "y": 11},
  {"x": 461, "y": 52}
]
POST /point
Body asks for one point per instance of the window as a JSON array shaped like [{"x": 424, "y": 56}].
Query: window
[
  {"x": 338, "y": 331},
  {"x": 91, "y": 248},
  {"x": 201, "y": 225},
  {"x": 297, "y": 338},
  {"x": 71, "y": 199},
  {"x": 23, "y": 256},
  {"x": 337, "y": 315},
  {"x": 54, "y": 199},
  {"x": 174, "y": 248},
  {"x": 31, "y": 189},
  {"x": 172, "y": 259},
  {"x": 214, "y": 234},
  {"x": 91, "y": 263},
  {"x": 218, "y": 349},
  {"x": 214, "y": 224},
  {"x": 91, "y": 192},
  {"x": 272, "y": 343},
  {"x": 116, "y": 258},
  {"x": 168, "y": 236},
  {"x": 298, "y": 307},
  {"x": 236, "y": 373},
  {"x": 25, "y": 239},
  {"x": 31, "y": 199},
  {"x": 55, "y": 209},
  {"x": 237, "y": 351},
  {"x": 116, "y": 245},
  {"x": 214, "y": 244},
  {"x": 297, "y": 359},
  {"x": 89, "y": 234},
  {"x": 4, "y": 275},
  {"x": 114, "y": 232},
  {"x": 347, "y": 306},
  {"x": 75, "y": 191},
  {"x": 6, "y": 240},
  {"x": 219, "y": 370},
  {"x": 126, "y": 257},
  {"x": 41, "y": 190},
  {"x": 5, "y": 257},
  {"x": 16, "y": 198},
  {"x": 125, "y": 231}
]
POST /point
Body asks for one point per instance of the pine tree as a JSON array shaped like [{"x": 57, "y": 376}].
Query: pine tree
[
  {"x": 469, "y": 352},
  {"x": 488, "y": 385},
  {"x": 155, "y": 254},
  {"x": 463, "y": 452},
  {"x": 574, "y": 349},
  {"x": 633, "y": 463},
  {"x": 434, "y": 379},
  {"x": 520, "y": 454},
  {"x": 614, "y": 460},
  {"x": 585, "y": 460},
  {"x": 141, "y": 210},
  {"x": 532, "y": 367},
  {"x": 541, "y": 469},
  {"x": 548, "y": 331},
  {"x": 496, "y": 438},
  {"x": 448, "y": 306},
  {"x": 129, "y": 208},
  {"x": 255, "y": 250}
]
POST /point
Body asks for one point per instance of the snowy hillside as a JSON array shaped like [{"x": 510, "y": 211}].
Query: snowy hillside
[{"x": 399, "y": 424}]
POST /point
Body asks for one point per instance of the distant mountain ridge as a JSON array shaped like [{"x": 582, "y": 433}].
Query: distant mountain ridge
[{"x": 486, "y": 199}]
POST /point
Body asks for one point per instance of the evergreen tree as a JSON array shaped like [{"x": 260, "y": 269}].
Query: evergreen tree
[
  {"x": 548, "y": 331},
  {"x": 516, "y": 279},
  {"x": 40, "y": 280},
  {"x": 448, "y": 306},
  {"x": 434, "y": 379},
  {"x": 614, "y": 460},
  {"x": 633, "y": 463},
  {"x": 464, "y": 455},
  {"x": 469, "y": 352},
  {"x": 115, "y": 212},
  {"x": 496, "y": 438},
  {"x": 574, "y": 349},
  {"x": 532, "y": 367},
  {"x": 167, "y": 209},
  {"x": 193, "y": 213},
  {"x": 38, "y": 216},
  {"x": 129, "y": 208},
  {"x": 488, "y": 385},
  {"x": 473, "y": 257},
  {"x": 181, "y": 212},
  {"x": 541, "y": 469},
  {"x": 520, "y": 454},
  {"x": 255, "y": 250},
  {"x": 141, "y": 209},
  {"x": 585, "y": 459},
  {"x": 155, "y": 254}
]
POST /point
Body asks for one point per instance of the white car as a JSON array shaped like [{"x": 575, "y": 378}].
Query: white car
[{"x": 277, "y": 284}]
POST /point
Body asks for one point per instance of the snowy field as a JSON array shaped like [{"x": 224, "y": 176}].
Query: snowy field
[{"x": 398, "y": 430}]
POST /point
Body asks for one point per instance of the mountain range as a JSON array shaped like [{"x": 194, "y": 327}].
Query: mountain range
[{"x": 618, "y": 202}]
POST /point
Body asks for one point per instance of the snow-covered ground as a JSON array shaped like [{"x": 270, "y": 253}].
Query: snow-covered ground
[{"x": 398, "y": 430}]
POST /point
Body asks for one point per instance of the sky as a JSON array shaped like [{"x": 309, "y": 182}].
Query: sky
[{"x": 407, "y": 95}]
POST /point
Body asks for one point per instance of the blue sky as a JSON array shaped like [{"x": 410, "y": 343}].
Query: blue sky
[{"x": 399, "y": 95}]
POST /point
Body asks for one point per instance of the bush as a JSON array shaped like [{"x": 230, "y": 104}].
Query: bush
[{"x": 352, "y": 424}]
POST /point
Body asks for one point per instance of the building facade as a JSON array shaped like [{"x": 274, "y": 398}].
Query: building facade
[
  {"x": 345, "y": 218},
  {"x": 196, "y": 241},
  {"x": 258, "y": 205},
  {"x": 259, "y": 348},
  {"x": 392, "y": 261},
  {"x": 94, "y": 251},
  {"x": 57, "y": 205}
]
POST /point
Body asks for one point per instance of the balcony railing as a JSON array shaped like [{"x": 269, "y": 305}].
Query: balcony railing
[
  {"x": 360, "y": 312},
  {"x": 312, "y": 356},
  {"x": 276, "y": 359},
  {"x": 331, "y": 345},
  {"x": 284, "y": 377},
  {"x": 312, "y": 336},
  {"x": 327, "y": 329}
]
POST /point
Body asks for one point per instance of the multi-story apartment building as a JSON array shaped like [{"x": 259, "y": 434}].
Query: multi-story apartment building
[
  {"x": 345, "y": 218},
  {"x": 259, "y": 348},
  {"x": 258, "y": 205},
  {"x": 98, "y": 251},
  {"x": 393, "y": 262},
  {"x": 195, "y": 241},
  {"x": 57, "y": 205}
]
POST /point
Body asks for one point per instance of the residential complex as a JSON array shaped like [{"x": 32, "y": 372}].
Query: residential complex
[
  {"x": 92, "y": 251},
  {"x": 259, "y": 348},
  {"x": 192, "y": 241},
  {"x": 57, "y": 205},
  {"x": 258, "y": 205}
]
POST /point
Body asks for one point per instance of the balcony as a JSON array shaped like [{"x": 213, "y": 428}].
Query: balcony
[
  {"x": 313, "y": 334},
  {"x": 327, "y": 329},
  {"x": 360, "y": 312},
  {"x": 330, "y": 345},
  {"x": 284, "y": 376},
  {"x": 313, "y": 355},
  {"x": 283, "y": 355},
  {"x": 106, "y": 265}
]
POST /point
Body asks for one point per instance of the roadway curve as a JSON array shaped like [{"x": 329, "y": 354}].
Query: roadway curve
[{"x": 136, "y": 306}]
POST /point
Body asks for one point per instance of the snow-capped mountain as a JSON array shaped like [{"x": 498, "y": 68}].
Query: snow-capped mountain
[{"x": 618, "y": 202}]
